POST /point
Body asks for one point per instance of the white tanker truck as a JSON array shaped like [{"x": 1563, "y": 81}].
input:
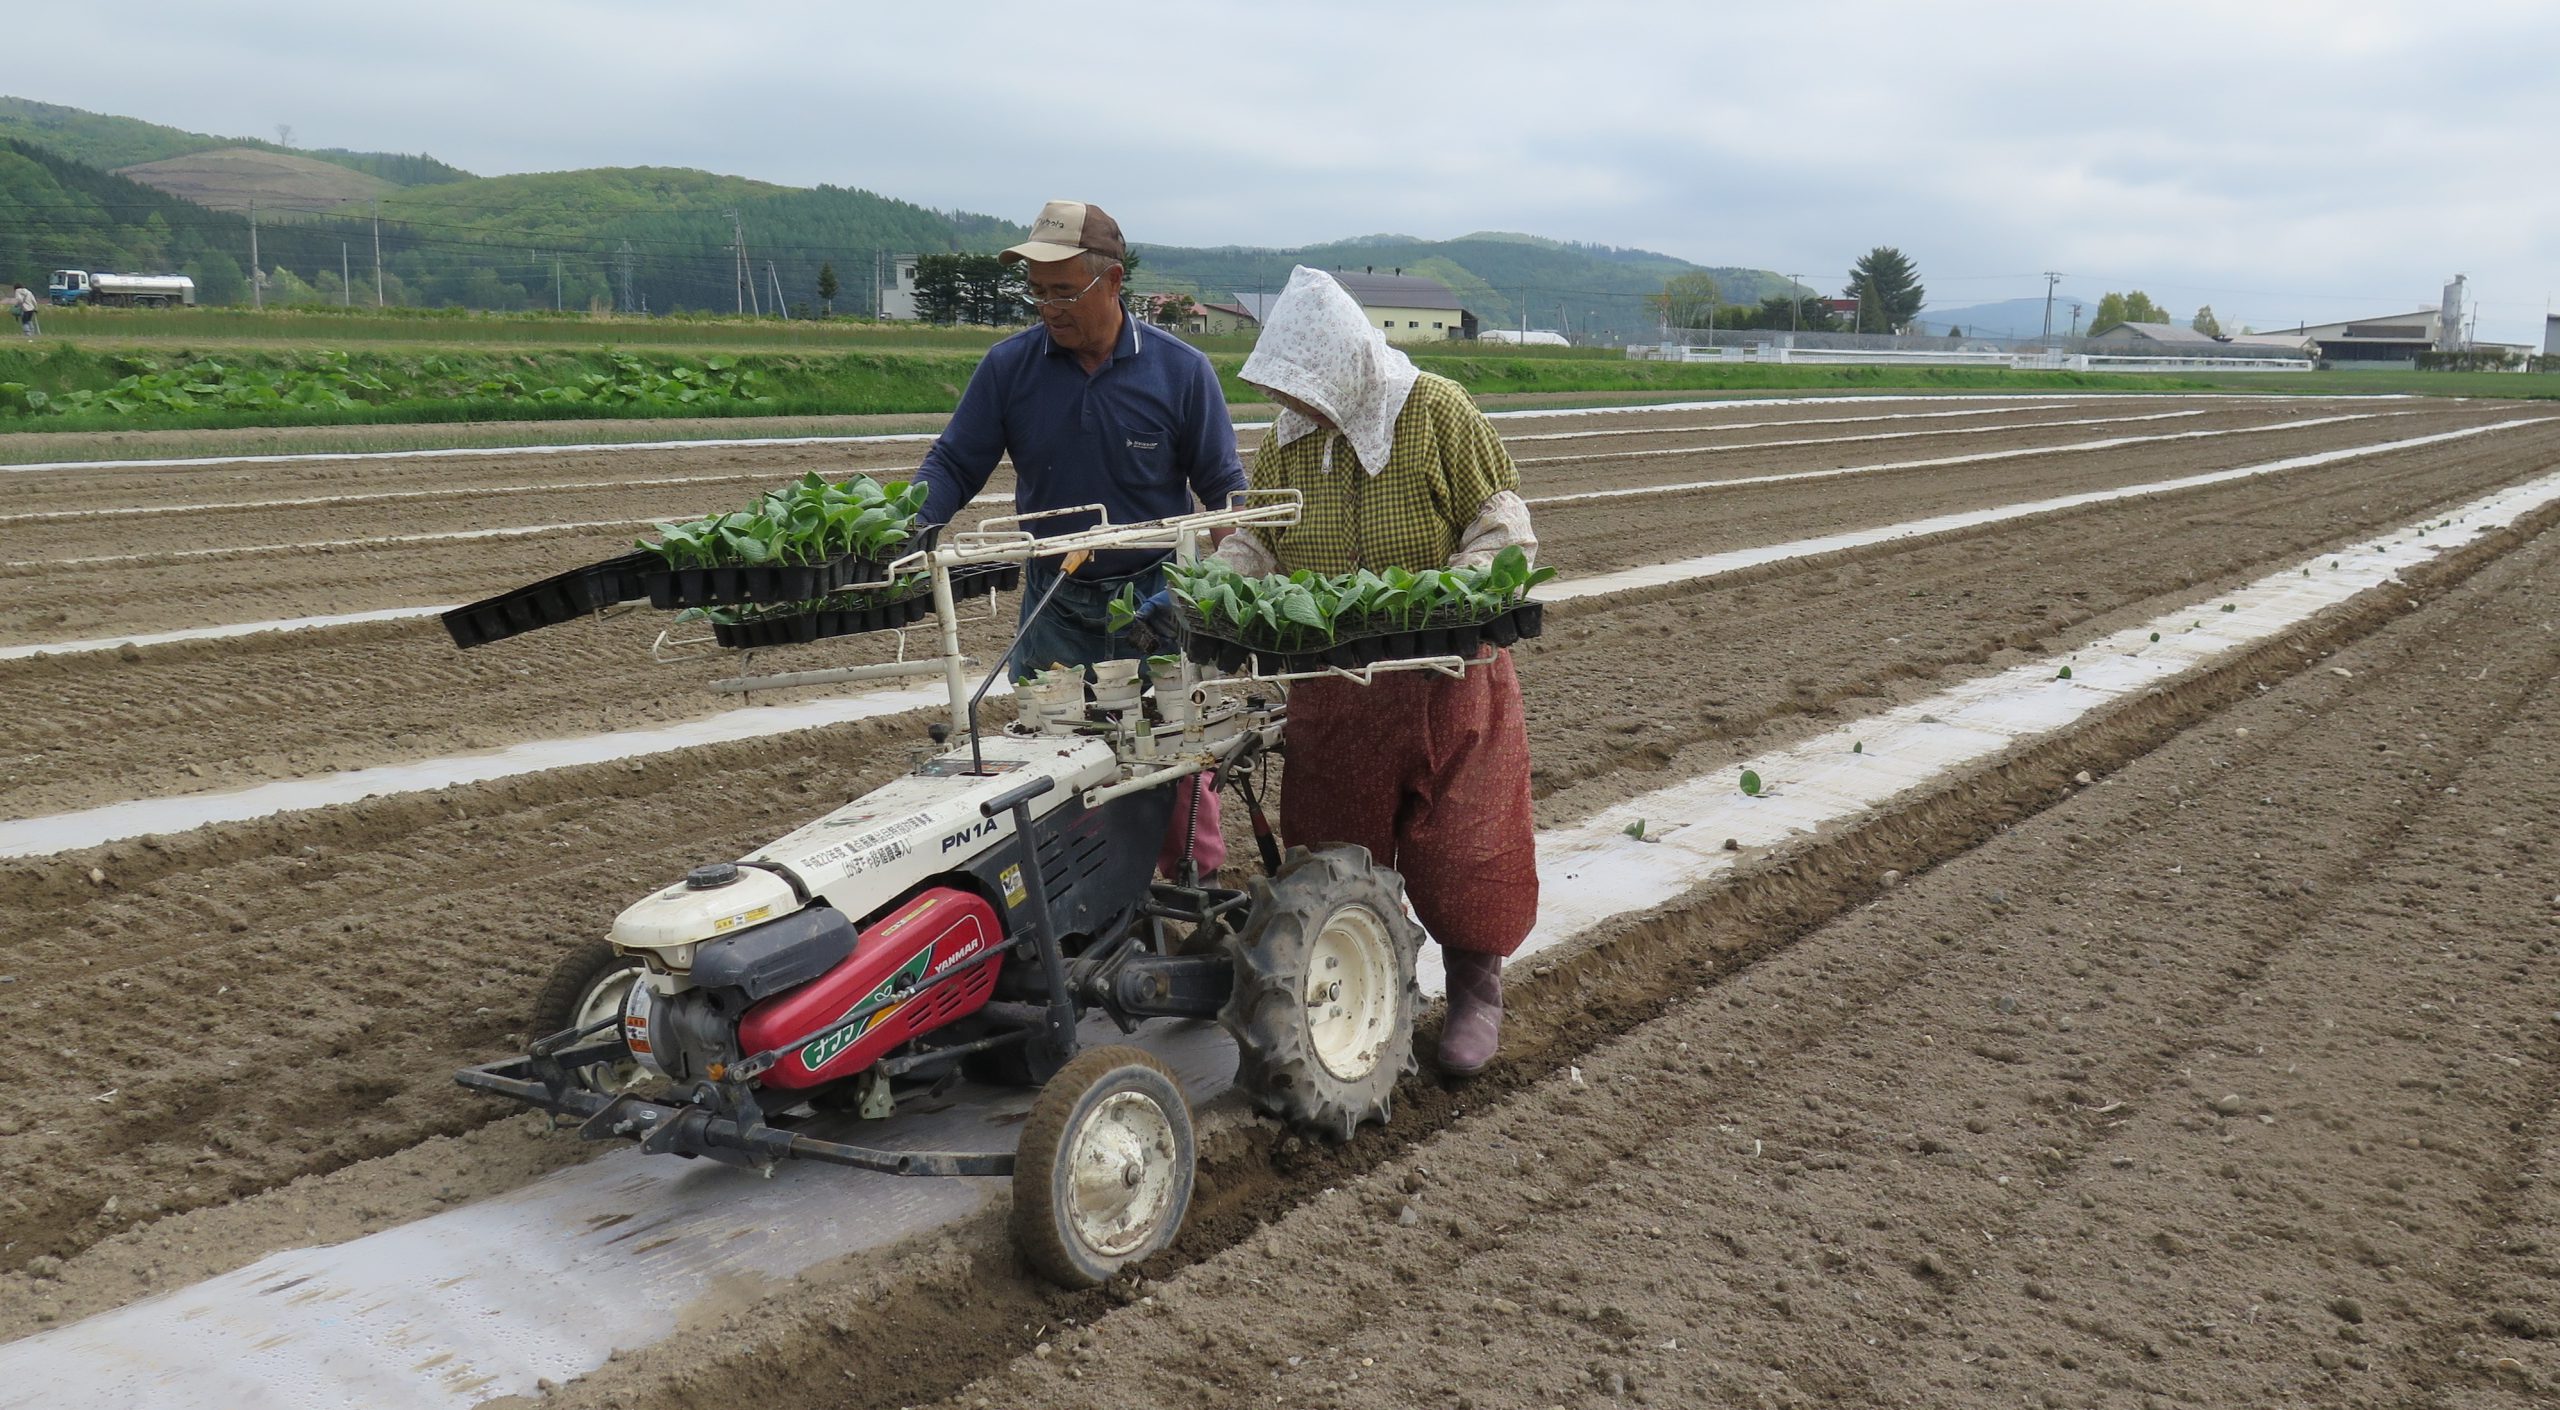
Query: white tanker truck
[{"x": 79, "y": 286}]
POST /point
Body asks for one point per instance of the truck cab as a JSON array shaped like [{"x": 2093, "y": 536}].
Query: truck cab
[{"x": 69, "y": 286}]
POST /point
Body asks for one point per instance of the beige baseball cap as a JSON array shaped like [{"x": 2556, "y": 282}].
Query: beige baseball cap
[{"x": 1066, "y": 229}]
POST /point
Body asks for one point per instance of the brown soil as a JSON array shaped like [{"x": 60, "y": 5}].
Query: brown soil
[
  {"x": 195, "y": 717},
  {"x": 2230, "y": 1081},
  {"x": 1959, "y": 1047},
  {"x": 27, "y": 447},
  {"x": 369, "y": 949}
]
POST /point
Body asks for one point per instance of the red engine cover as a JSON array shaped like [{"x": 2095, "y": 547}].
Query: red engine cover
[{"x": 924, "y": 937}]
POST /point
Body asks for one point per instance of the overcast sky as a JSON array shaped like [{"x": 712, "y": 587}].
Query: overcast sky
[{"x": 2280, "y": 161}]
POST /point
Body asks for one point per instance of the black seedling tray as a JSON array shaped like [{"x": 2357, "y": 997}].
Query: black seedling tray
[
  {"x": 976, "y": 578},
  {"x": 580, "y": 592},
  {"x": 736, "y": 585},
  {"x": 879, "y": 615},
  {"x": 1461, "y": 639},
  {"x": 834, "y": 621}
]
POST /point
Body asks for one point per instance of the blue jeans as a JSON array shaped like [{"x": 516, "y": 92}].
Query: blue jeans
[{"x": 1075, "y": 628}]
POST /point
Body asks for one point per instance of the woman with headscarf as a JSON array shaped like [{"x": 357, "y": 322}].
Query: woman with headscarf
[{"x": 1398, "y": 469}]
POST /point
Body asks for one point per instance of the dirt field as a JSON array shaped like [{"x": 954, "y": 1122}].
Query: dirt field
[{"x": 1963, "y": 1141}]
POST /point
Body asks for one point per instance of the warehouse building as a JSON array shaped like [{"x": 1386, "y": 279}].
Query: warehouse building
[
  {"x": 2173, "y": 340},
  {"x": 1406, "y": 307},
  {"x": 2390, "y": 342}
]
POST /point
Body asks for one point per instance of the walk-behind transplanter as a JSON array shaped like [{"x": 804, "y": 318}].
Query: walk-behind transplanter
[{"x": 966, "y": 917}]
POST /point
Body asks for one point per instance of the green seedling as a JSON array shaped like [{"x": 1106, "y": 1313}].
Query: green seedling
[
  {"x": 807, "y": 521},
  {"x": 1750, "y": 784},
  {"x": 1634, "y": 829},
  {"x": 1857, "y": 746},
  {"x": 1121, "y": 610},
  {"x": 2063, "y": 675},
  {"x": 2231, "y": 607},
  {"x": 1305, "y": 610},
  {"x": 2155, "y": 636}
]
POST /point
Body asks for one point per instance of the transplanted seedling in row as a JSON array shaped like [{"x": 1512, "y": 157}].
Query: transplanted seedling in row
[
  {"x": 2231, "y": 607},
  {"x": 2155, "y": 636},
  {"x": 2063, "y": 675},
  {"x": 1750, "y": 784},
  {"x": 1634, "y": 829},
  {"x": 1857, "y": 746}
]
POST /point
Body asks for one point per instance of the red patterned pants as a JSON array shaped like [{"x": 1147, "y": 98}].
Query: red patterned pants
[{"x": 1432, "y": 776}]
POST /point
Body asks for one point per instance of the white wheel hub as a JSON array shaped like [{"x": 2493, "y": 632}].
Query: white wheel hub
[
  {"x": 1120, "y": 1174},
  {"x": 607, "y": 998},
  {"x": 1350, "y": 993}
]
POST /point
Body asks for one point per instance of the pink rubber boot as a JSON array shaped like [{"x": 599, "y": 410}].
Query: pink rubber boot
[{"x": 1208, "y": 836}]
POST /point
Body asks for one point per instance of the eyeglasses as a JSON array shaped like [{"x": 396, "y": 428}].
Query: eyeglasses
[{"x": 1036, "y": 301}]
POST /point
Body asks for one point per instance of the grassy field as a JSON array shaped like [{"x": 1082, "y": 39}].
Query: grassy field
[{"x": 316, "y": 369}]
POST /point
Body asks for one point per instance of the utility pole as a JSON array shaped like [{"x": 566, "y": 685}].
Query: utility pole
[
  {"x": 2075, "y": 320},
  {"x": 1795, "y": 303},
  {"x": 555, "y": 283},
  {"x": 377, "y": 252},
  {"x": 738, "y": 259},
  {"x": 875, "y": 282},
  {"x": 2050, "y": 279},
  {"x": 623, "y": 257},
  {"x": 775, "y": 280},
  {"x": 257, "y": 277},
  {"x": 346, "y": 290}
]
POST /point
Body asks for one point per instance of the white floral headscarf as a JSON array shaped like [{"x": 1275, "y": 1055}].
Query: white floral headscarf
[{"x": 1319, "y": 347}]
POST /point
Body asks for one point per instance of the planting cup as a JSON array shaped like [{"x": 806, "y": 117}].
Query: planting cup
[{"x": 1108, "y": 675}]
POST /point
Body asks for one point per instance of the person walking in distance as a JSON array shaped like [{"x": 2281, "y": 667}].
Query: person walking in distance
[
  {"x": 1093, "y": 409},
  {"x": 22, "y": 302}
]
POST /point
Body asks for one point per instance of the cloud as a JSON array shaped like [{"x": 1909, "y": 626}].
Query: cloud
[{"x": 2280, "y": 159}]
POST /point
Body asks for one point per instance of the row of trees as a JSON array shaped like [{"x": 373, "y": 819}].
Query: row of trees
[{"x": 1884, "y": 283}]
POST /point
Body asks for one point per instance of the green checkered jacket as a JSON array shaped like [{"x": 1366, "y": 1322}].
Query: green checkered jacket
[{"x": 1447, "y": 461}]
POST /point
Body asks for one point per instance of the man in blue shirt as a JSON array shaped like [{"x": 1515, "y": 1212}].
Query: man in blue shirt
[{"x": 1093, "y": 409}]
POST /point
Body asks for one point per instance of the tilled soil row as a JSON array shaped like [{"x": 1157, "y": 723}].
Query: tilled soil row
[
  {"x": 54, "y": 601},
  {"x": 192, "y": 717},
  {"x": 437, "y": 507},
  {"x": 2085, "y": 1110},
  {"x": 339, "y": 964},
  {"x": 462, "y": 472}
]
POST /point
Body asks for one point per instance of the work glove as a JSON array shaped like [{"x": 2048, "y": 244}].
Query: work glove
[{"x": 1152, "y": 631}]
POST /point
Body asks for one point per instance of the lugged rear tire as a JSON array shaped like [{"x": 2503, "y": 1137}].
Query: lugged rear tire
[
  {"x": 1324, "y": 998},
  {"x": 1104, "y": 1172}
]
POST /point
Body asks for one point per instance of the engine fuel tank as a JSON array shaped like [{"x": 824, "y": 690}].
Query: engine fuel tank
[{"x": 925, "y": 937}]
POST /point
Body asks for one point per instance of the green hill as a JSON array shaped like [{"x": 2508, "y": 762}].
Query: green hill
[
  {"x": 242, "y": 178},
  {"x": 56, "y": 213},
  {"x": 1598, "y": 289},
  {"x": 107, "y": 142},
  {"x": 661, "y": 237}
]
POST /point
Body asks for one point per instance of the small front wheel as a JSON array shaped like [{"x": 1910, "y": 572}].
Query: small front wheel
[
  {"x": 591, "y": 984},
  {"x": 1103, "y": 1176}
]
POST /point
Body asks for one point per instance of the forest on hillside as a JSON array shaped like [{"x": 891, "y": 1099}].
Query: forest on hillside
[{"x": 663, "y": 240}]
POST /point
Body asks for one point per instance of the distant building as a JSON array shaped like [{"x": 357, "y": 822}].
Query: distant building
[
  {"x": 1407, "y": 307},
  {"x": 898, "y": 287},
  {"x": 2390, "y": 342},
  {"x": 1535, "y": 337},
  {"x": 1220, "y": 318},
  {"x": 2161, "y": 337},
  {"x": 2175, "y": 340},
  {"x": 2551, "y": 335}
]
